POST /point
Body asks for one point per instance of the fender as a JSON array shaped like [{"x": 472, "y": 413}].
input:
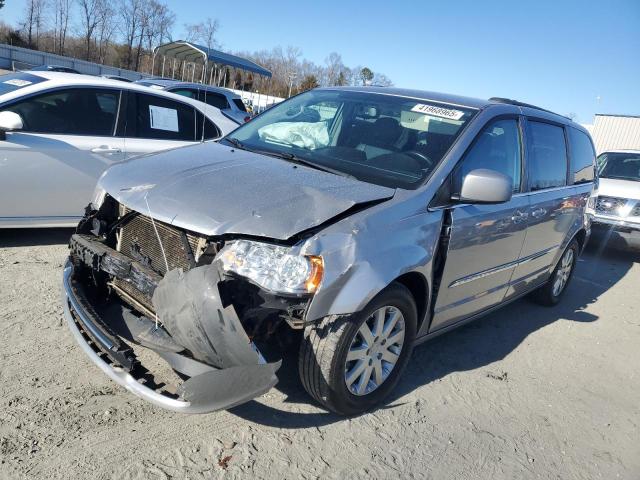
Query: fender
[{"x": 361, "y": 260}]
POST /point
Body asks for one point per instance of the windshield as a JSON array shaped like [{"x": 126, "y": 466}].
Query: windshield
[
  {"x": 383, "y": 139},
  {"x": 14, "y": 81},
  {"x": 623, "y": 166}
]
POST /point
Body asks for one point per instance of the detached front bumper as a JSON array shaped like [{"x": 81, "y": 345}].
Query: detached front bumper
[{"x": 208, "y": 388}]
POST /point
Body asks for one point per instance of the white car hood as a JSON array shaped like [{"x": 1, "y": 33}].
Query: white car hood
[{"x": 612, "y": 187}]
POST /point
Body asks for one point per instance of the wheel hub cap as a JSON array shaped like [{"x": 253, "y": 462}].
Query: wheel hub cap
[
  {"x": 374, "y": 350},
  {"x": 563, "y": 273}
]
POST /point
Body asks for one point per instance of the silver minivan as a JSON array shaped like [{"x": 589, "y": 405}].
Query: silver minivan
[{"x": 349, "y": 224}]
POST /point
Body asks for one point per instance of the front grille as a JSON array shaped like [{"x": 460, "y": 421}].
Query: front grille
[
  {"x": 138, "y": 240},
  {"x": 610, "y": 205}
]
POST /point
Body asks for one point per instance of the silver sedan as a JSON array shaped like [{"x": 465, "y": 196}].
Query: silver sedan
[{"x": 59, "y": 132}]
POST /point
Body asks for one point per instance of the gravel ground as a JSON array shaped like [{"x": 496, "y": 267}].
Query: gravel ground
[{"x": 528, "y": 392}]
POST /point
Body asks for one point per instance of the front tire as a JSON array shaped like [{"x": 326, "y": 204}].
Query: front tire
[
  {"x": 350, "y": 364},
  {"x": 551, "y": 292}
]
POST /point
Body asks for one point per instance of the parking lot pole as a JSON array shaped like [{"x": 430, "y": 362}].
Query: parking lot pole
[{"x": 163, "y": 60}]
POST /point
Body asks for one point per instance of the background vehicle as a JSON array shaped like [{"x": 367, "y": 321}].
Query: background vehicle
[
  {"x": 60, "y": 131},
  {"x": 617, "y": 200},
  {"x": 371, "y": 218},
  {"x": 228, "y": 102},
  {"x": 55, "y": 68},
  {"x": 117, "y": 77}
]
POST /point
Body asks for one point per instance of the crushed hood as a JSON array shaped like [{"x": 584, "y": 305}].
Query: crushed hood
[
  {"x": 613, "y": 187},
  {"x": 213, "y": 189}
]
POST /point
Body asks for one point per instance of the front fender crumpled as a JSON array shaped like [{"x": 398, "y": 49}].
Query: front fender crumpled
[{"x": 189, "y": 306}]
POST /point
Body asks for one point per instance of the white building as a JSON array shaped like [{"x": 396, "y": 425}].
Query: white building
[{"x": 616, "y": 132}]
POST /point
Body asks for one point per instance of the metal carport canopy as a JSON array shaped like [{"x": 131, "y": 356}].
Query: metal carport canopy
[{"x": 191, "y": 52}]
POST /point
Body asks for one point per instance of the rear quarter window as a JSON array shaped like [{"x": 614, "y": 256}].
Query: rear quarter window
[
  {"x": 582, "y": 156},
  {"x": 240, "y": 104}
]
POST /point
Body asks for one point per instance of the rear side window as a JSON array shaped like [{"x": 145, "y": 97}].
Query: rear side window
[
  {"x": 160, "y": 118},
  {"x": 73, "y": 111},
  {"x": 582, "y": 157},
  {"x": 185, "y": 92},
  {"x": 547, "y": 156},
  {"x": 214, "y": 99},
  {"x": 497, "y": 148},
  {"x": 240, "y": 104},
  {"x": 211, "y": 131}
]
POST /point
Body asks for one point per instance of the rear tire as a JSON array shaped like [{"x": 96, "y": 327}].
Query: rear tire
[
  {"x": 551, "y": 292},
  {"x": 324, "y": 367}
]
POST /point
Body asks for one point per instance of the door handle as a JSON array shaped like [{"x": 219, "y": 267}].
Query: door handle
[
  {"x": 519, "y": 216},
  {"x": 105, "y": 149},
  {"x": 539, "y": 212}
]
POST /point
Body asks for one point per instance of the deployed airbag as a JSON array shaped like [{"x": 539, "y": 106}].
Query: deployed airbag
[{"x": 300, "y": 134}]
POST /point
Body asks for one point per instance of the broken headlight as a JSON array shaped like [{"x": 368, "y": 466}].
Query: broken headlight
[{"x": 272, "y": 267}]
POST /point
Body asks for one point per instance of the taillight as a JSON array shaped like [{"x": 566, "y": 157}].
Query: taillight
[{"x": 246, "y": 119}]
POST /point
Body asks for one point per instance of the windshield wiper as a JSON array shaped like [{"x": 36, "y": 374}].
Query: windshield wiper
[
  {"x": 235, "y": 142},
  {"x": 292, "y": 157}
]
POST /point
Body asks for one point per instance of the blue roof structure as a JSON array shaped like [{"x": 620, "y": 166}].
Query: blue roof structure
[{"x": 192, "y": 52}]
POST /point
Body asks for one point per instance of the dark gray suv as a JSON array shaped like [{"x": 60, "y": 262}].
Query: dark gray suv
[{"x": 368, "y": 220}]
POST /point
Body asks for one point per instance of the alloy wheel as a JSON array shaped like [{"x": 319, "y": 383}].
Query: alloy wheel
[
  {"x": 374, "y": 350},
  {"x": 563, "y": 273}
]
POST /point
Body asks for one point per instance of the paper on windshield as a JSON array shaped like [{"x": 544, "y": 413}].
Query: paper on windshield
[
  {"x": 17, "y": 82},
  {"x": 438, "y": 111},
  {"x": 163, "y": 118},
  {"x": 300, "y": 134}
]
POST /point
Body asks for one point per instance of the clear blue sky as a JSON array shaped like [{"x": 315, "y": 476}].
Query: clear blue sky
[{"x": 559, "y": 54}]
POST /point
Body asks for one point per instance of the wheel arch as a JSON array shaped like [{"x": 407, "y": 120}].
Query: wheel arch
[{"x": 418, "y": 286}]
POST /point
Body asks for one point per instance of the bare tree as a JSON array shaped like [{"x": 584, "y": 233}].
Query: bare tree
[
  {"x": 105, "y": 31},
  {"x": 334, "y": 68},
  {"x": 62, "y": 13},
  {"x": 130, "y": 13},
  {"x": 92, "y": 16},
  {"x": 381, "y": 80},
  {"x": 203, "y": 32},
  {"x": 160, "y": 25},
  {"x": 33, "y": 21}
]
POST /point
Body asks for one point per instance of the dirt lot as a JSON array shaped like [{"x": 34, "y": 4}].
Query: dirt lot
[{"x": 528, "y": 392}]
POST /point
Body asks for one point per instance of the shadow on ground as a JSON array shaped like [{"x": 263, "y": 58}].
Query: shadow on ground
[
  {"x": 31, "y": 237},
  {"x": 607, "y": 259}
]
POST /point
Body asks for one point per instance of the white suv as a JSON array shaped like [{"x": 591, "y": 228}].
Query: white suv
[{"x": 617, "y": 200}]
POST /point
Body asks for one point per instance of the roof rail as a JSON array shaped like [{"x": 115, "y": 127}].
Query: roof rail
[{"x": 522, "y": 104}]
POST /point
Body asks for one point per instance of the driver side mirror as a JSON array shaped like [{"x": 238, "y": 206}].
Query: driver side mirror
[
  {"x": 9, "y": 121},
  {"x": 485, "y": 186}
]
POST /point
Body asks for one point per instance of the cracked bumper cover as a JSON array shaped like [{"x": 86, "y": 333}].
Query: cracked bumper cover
[{"x": 242, "y": 373}]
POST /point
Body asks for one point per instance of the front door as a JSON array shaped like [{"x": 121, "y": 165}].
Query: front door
[
  {"x": 50, "y": 167},
  {"x": 485, "y": 240}
]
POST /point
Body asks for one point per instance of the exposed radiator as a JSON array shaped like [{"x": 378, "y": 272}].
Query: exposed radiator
[{"x": 138, "y": 240}]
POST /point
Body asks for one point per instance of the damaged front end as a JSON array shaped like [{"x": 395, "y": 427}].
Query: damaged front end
[{"x": 133, "y": 284}]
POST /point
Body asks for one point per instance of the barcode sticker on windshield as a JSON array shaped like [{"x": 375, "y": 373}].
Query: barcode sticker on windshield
[
  {"x": 17, "y": 82},
  {"x": 438, "y": 111}
]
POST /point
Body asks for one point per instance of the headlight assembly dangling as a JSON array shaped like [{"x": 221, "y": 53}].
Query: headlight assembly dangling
[{"x": 273, "y": 267}]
